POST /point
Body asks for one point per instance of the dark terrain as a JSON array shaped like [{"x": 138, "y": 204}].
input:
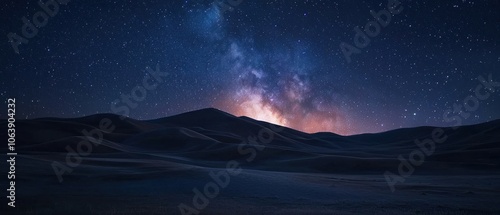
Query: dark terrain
[{"x": 152, "y": 166}]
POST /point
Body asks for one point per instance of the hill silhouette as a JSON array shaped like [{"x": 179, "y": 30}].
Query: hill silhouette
[{"x": 167, "y": 157}]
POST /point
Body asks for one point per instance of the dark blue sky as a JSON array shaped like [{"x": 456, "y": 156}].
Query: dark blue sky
[{"x": 278, "y": 61}]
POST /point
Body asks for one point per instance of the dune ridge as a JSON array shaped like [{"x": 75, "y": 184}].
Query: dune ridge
[{"x": 175, "y": 154}]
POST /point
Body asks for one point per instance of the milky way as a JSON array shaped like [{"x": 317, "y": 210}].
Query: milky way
[
  {"x": 276, "y": 61},
  {"x": 278, "y": 90}
]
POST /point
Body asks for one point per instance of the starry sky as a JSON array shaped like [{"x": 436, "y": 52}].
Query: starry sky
[{"x": 278, "y": 61}]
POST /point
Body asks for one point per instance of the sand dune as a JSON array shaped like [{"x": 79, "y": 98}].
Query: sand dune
[{"x": 152, "y": 166}]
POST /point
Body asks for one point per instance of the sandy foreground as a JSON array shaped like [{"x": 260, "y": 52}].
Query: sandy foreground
[{"x": 204, "y": 162}]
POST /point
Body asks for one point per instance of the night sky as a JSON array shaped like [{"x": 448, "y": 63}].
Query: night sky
[{"x": 278, "y": 61}]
